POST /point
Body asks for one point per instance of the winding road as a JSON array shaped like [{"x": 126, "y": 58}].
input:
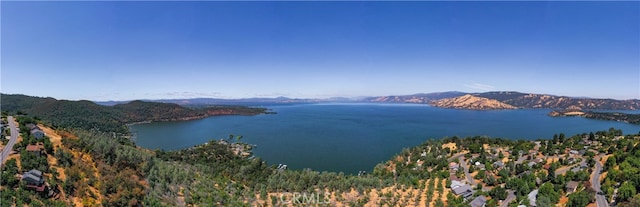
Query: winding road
[
  {"x": 463, "y": 163},
  {"x": 601, "y": 201},
  {"x": 12, "y": 140}
]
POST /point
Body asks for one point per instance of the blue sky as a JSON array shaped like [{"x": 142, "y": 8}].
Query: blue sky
[{"x": 138, "y": 50}]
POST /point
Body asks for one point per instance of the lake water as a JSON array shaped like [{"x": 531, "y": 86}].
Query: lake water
[{"x": 352, "y": 137}]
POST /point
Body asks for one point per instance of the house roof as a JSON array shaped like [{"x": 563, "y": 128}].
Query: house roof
[
  {"x": 30, "y": 178},
  {"x": 35, "y": 172},
  {"x": 33, "y": 148},
  {"x": 462, "y": 189},
  {"x": 532, "y": 197},
  {"x": 478, "y": 201},
  {"x": 35, "y": 130},
  {"x": 572, "y": 184},
  {"x": 456, "y": 184}
]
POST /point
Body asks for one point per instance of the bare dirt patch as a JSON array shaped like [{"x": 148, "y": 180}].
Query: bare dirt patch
[
  {"x": 54, "y": 137},
  {"x": 451, "y": 145}
]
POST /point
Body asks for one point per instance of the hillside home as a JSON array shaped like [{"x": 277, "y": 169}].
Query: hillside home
[
  {"x": 32, "y": 126},
  {"x": 454, "y": 166},
  {"x": 572, "y": 186},
  {"x": 465, "y": 191},
  {"x": 34, "y": 149},
  {"x": 37, "y": 133},
  {"x": 33, "y": 180},
  {"x": 498, "y": 164},
  {"x": 456, "y": 183},
  {"x": 479, "y": 201}
]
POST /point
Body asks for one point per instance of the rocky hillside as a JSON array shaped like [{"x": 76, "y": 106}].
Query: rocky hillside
[
  {"x": 471, "y": 102},
  {"x": 518, "y": 100},
  {"x": 525, "y": 100}
]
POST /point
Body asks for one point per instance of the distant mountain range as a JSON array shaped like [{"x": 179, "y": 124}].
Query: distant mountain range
[
  {"x": 512, "y": 99},
  {"x": 450, "y": 99}
]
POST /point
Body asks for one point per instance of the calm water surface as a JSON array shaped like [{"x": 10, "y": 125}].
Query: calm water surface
[{"x": 352, "y": 137}]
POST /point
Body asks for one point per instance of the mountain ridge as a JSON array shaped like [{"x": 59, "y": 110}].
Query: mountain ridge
[{"x": 529, "y": 100}]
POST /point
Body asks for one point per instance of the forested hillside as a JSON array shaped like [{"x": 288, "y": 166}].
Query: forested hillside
[{"x": 90, "y": 116}]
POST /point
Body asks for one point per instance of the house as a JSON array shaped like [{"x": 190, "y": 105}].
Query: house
[
  {"x": 498, "y": 164},
  {"x": 33, "y": 177},
  {"x": 480, "y": 166},
  {"x": 532, "y": 197},
  {"x": 575, "y": 152},
  {"x": 572, "y": 186},
  {"x": 479, "y": 201},
  {"x": 534, "y": 162},
  {"x": 35, "y": 149},
  {"x": 581, "y": 152},
  {"x": 454, "y": 166},
  {"x": 456, "y": 183},
  {"x": 33, "y": 180},
  {"x": 37, "y": 133},
  {"x": 32, "y": 126},
  {"x": 575, "y": 169},
  {"x": 465, "y": 191},
  {"x": 453, "y": 177}
]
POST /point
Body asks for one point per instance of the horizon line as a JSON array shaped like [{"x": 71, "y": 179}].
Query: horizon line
[{"x": 354, "y": 98}]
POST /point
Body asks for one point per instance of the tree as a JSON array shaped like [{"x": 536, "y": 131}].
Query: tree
[
  {"x": 632, "y": 203},
  {"x": 544, "y": 201},
  {"x": 561, "y": 138},
  {"x": 547, "y": 190},
  {"x": 7, "y": 177},
  {"x": 579, "y": 199},
  {"x": 480, "y": 175},
  {"x": 498, "y": 193},
  {"x": 626, "y": 191}
]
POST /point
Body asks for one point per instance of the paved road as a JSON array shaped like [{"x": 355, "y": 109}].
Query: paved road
[
  {"x": 510, "y": 197},
  {"x": 454, "y": 157},
  {"x": 601, "y": 201},
  {"x": 463, "y": 163},
  {"x": 14, "y": 137}
]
